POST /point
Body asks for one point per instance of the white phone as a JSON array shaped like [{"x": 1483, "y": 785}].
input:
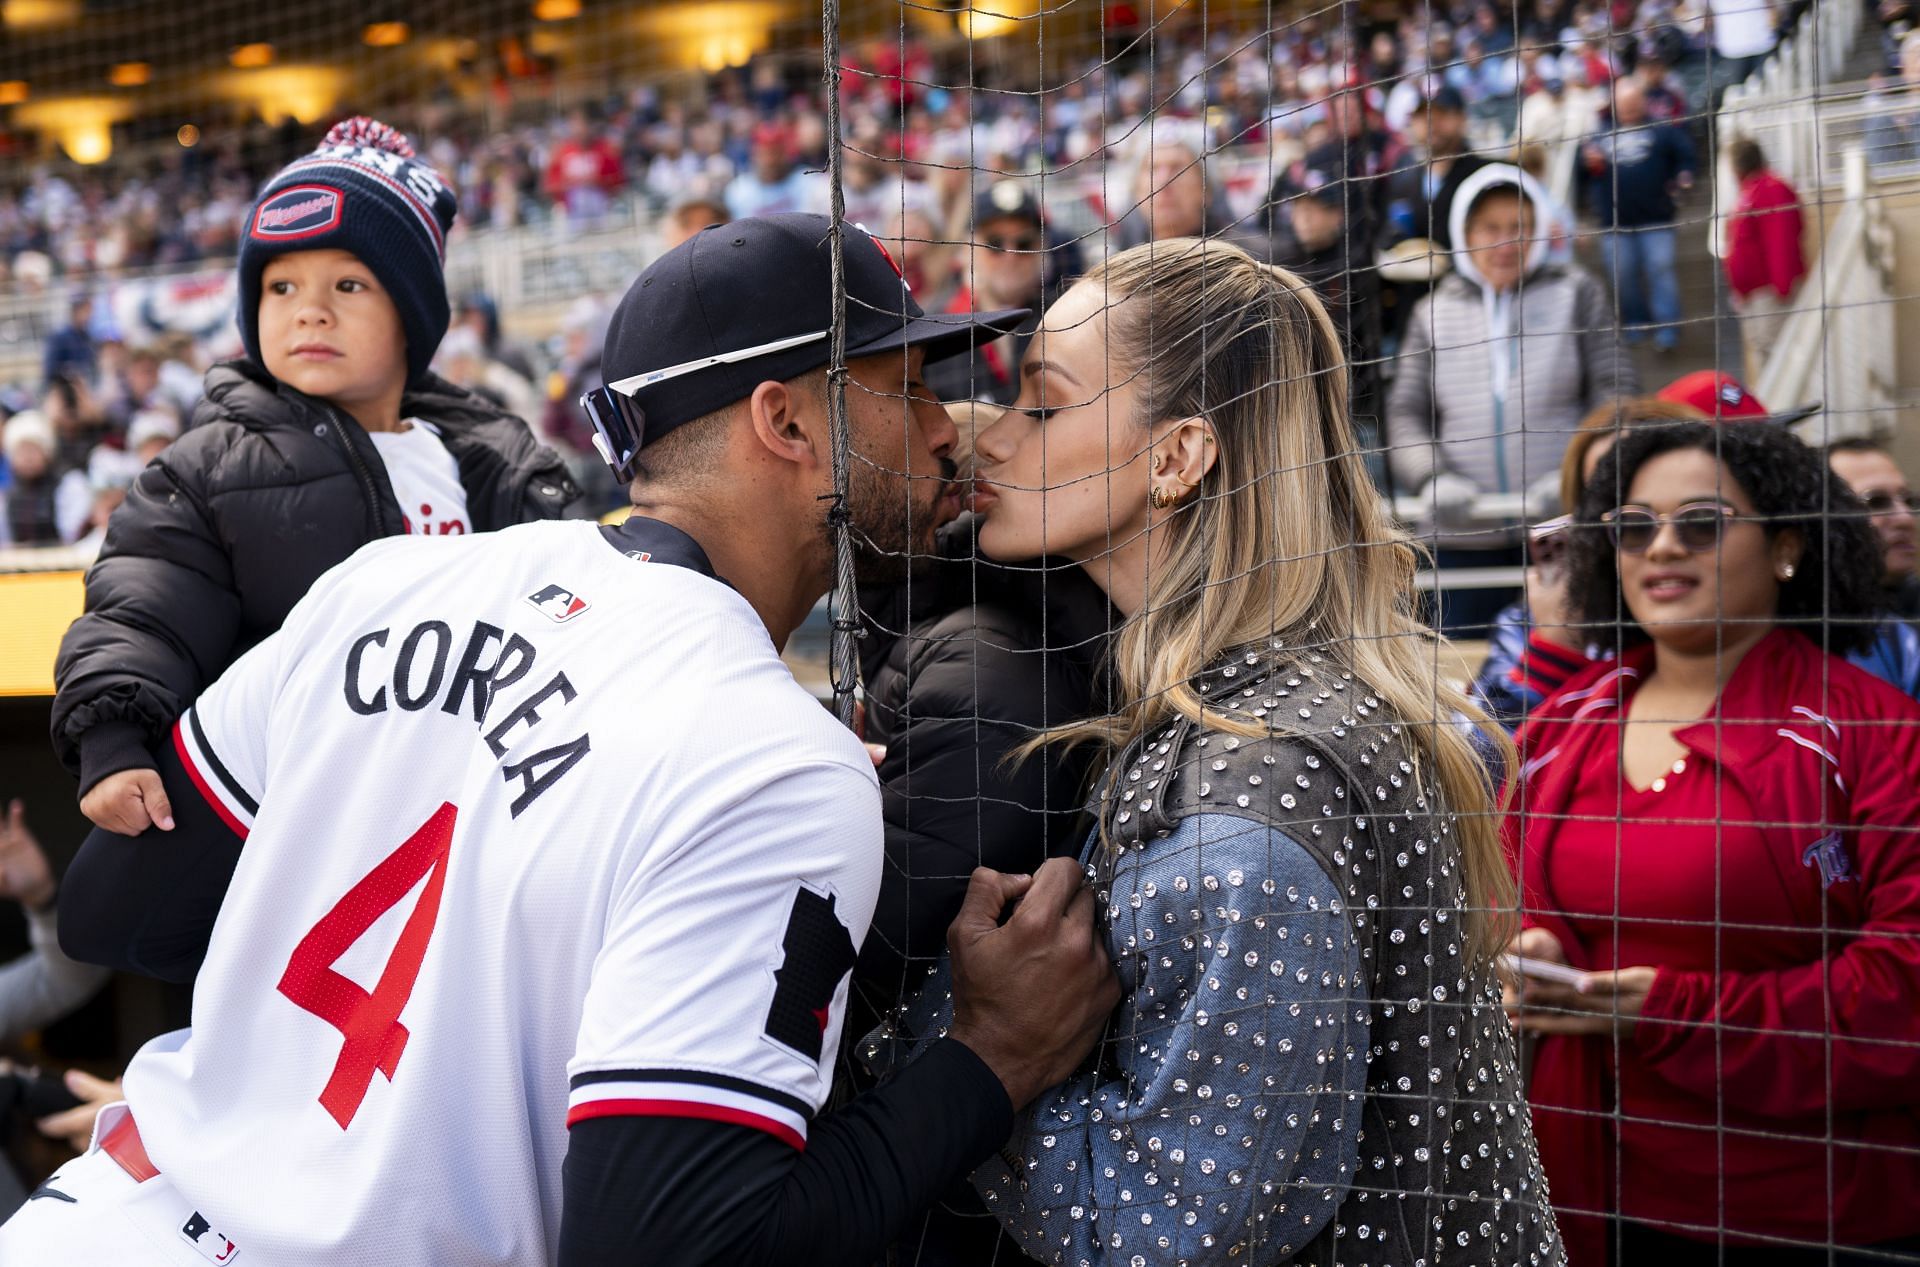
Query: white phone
[{"x": 1544, "y": 969}]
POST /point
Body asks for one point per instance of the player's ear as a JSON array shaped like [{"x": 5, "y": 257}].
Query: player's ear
[{"x": 783, "y": 424}]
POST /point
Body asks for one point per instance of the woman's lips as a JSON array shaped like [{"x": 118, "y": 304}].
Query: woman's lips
[
  {"x": 315, "y": 352},
  {"x": 982, "y": 498},
  {"x": 1665, "y": 589}
]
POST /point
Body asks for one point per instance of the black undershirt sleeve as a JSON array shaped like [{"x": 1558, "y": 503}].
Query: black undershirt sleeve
[
  {"x": 147, "y": 903},
  {"x": 693, "y": 1192}
]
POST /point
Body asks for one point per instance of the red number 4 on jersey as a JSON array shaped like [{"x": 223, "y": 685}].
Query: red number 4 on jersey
[{"x": 371, "y": 1022}]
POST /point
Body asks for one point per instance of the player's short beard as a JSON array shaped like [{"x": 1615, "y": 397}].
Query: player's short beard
[{"x": 893, "y": 521}]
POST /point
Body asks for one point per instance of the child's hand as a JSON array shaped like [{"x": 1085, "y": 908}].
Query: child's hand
[{"x": 129, "y": 802}]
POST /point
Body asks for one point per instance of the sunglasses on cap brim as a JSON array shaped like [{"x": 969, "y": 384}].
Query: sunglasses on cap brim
[{"x": 620, "y": 423}]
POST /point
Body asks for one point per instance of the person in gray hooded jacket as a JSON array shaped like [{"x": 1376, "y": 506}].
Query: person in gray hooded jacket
[{"x": 1499, "y": 364}]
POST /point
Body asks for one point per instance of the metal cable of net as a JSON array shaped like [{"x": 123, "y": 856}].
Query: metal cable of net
[{"x": 843, "y": 666}]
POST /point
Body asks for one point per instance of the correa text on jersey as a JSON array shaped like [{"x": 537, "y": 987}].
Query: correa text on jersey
[{"x": 371, "y": 687}]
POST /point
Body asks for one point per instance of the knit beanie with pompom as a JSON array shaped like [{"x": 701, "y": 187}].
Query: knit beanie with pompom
[{"x": 363, "y": 191}]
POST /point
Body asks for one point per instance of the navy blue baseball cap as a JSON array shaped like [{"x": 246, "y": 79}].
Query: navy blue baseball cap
[{"x": 749, "y": 302}]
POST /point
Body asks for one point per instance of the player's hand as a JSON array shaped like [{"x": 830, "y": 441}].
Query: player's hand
[
  {"x": 76, "y": 1124},
  {"x": 24, "y": 874},
  {"x": 1030, "y": 995},
  {"x": 129, "y": 802}
]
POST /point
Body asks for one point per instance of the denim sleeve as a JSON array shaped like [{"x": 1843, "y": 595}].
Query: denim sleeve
[{"x": 1223, "y": 1119}]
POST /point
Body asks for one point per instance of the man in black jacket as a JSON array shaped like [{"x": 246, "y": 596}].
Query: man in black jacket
[{"x": 962, "y": 667}]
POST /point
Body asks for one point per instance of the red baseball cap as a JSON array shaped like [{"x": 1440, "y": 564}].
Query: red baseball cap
[{"x": 1715, "y": 394}]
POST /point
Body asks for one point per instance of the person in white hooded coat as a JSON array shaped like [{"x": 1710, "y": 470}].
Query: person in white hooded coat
[{"x": 1500, "y": 362}]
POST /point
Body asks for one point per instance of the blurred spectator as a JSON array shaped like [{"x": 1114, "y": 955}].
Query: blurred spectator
[
  {"x": 46, "y": 504},
  {"x": 1500, "y": 363},
  {"x": 926, "y": 261},
  {"x": 584, "y": 172},
  {"x": 463, "y": 361},
  {"x": 477, "y": 312},
  {"x": 1176, "y": 196},
  {"x": 1006, "y": 267},
  {"x": 1715, "y": 830},
  {"x": 1420, "y": 192},
  {"x": 1870, "y": 471},
  {"x": 43, "y": 985},
  {"x": 78, "y": 421},
  {"x": 1339, "y": 268},
  {"x": 1893, "y": 129},
  {"x": 1557, "y": 119},
  {"x": 70, "y": 351},
  {"x": 149, "y": 432},
  {"x": 1556, "y": 223},
  {"x": 1357, "y": 155},
  {"x": 775, "y": 181},
  {"x": 1766, "y": 259},
  {"x": 1633, "y": 170},
  {"x": 1743, "y": 35},
  {"x": 687, "y": 217}
]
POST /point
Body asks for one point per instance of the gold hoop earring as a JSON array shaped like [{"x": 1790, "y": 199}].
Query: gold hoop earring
[{"x": 1160, "y": 497}]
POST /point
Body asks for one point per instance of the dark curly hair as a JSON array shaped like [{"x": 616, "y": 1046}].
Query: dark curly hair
[{"x": 1834, "y": 595}]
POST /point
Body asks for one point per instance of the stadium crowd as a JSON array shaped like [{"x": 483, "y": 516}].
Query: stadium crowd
[
  {"x": 1149, "y": 130},
  {"x": 1688, "y": 557}
]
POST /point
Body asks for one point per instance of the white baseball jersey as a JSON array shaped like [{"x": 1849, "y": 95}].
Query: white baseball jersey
[{"x": 538, "y": 828}]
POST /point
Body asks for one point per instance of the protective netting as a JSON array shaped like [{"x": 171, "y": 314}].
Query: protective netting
[{"x": 1611, "y": 288}]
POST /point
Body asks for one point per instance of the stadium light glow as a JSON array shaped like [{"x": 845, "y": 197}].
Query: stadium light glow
[
  {"x": 303, "y": 93},
  {"x": 555, "y": 10},
  {"x": 385, "y": 34},
  {"x": 82, "y": 126},
  {"x": 130, "y": 74},
  {"x": 13, "y": 91},
  {"x": 251, "y": 56},
  {"x": 711, "y": 36},
  {"x": 985, "y": 19},
  {"x": 27, "y": 15}
]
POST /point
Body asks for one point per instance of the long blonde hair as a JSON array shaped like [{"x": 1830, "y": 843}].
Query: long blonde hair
[{"x": 1285, "y": 536}]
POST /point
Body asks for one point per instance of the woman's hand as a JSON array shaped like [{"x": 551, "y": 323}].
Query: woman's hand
[
  {"x": 75, "y": 1125},
  {"x": 1518, "y": 990},
  {"x": 1599, "y": 1003}
]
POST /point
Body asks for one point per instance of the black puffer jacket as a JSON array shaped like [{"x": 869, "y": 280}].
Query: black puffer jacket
[
  {"x": 227, "y": 529},
  {"x": 960, "y": 669}
]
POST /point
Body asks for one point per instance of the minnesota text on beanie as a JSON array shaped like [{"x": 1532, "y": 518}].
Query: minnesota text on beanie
[{"x": 363, "y": 191}]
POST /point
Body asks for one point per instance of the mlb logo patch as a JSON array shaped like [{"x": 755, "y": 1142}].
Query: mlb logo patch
[
  {"x": 303, "y": 211},
  {"x": 557, "y": 603},
  {"x": 214, "y": 1247}
]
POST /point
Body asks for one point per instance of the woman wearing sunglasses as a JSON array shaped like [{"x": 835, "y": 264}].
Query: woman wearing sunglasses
[
  {"x": 1532, "y": 649},
  {"x": 1716, "y": 828}
]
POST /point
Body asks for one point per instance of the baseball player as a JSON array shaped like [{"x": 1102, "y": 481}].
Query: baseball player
[{"x": 537, "y": 877}]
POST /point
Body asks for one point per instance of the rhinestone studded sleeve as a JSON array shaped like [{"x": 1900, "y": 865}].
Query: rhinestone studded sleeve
[{"x": 1223, "y": 1117}]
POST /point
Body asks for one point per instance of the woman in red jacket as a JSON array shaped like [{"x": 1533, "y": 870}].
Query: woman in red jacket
[{"x": 1717, "y": 829}]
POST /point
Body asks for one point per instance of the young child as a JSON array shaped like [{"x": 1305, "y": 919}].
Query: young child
[{"x": 329, "y": 434}]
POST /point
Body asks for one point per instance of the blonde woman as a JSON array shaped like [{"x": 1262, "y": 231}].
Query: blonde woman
[{"x": 1297, "y": 850}]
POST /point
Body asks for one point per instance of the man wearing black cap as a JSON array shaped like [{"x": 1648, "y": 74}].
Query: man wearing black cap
[
  {"x": 644, "y": 857},
  {"x": 1332, "y": 259},
  {"x": 1420, "y": 193},
  {"x": 1011, "y": 264}
]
